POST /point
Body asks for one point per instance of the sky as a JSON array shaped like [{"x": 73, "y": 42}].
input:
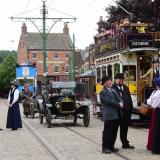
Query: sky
[{"x": 87, "y": 13}]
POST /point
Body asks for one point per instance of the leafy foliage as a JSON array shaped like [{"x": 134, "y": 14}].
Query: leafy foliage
[
  {"x": 4, "y": 54},
  {"x": 7, "y": 72},
  {"x": 143, "y": 11}
]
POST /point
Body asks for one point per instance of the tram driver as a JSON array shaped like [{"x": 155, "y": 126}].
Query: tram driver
[{"x": 152, "y": 73}]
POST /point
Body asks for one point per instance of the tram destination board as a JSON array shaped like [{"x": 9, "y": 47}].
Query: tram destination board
[
  {"x": 111, "y": 45},
  {"x": 139, "y": 40}
]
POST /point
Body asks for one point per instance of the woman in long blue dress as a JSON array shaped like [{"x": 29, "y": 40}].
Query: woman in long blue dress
[{"x": 14, "y": 117}]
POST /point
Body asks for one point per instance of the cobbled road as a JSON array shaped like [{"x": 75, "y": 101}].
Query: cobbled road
[{"x": 65, "y": 144}]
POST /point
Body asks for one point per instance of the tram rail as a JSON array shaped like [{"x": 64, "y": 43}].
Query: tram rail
[{"x": 38, "y": 139}]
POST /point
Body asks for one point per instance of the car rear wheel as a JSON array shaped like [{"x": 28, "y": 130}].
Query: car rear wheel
[
  {"x": 48, "y": 118},
  {"x": 75, "y": 119},
  {"x": 32, "y": 111},
  {"x": 86, "y": 117},
  {"x": 40, "y": 118}
]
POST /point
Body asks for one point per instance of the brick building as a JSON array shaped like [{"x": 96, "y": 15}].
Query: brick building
[{"x": 58, "y": 48}]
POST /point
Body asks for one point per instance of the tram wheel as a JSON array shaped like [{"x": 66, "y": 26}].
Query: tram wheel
[
  {"x": 86, "y": 117},
  {"x": 48, "y": 118}
]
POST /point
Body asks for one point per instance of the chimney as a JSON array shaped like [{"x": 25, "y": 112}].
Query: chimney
[
  {"x": 24, "y": 28},
  {"x": 66, "y": 30}
]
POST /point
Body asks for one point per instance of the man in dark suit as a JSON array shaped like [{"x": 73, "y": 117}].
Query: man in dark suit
[
  {"x": 124, "y": 93},
  {"x": 111, "y": 106}
]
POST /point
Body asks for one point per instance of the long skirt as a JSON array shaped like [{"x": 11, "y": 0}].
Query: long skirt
[
  {"x": 156, "y": 133},
  {"x": 14, "y": 117},
  {"x": 151, "y": 129}
]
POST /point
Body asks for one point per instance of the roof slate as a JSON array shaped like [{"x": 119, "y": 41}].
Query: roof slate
[{"x": 54, "y": 41}]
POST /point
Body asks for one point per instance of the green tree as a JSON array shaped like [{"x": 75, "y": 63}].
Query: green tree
[
  {"x": 7, "y": 72},
  {"x": 5, "y": 53}
]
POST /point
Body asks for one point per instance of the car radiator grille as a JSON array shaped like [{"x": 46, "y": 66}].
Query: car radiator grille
[{"x": 67, "y": 106}]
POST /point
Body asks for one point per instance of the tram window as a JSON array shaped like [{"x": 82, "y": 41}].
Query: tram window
[
  {"x": 103, "y": 71},
  {"x": 132, "y": 71},
  {"x": 110, "y": 71},
  {"x": 98, "y": 75},
  {"x": 116, "y": 69}
]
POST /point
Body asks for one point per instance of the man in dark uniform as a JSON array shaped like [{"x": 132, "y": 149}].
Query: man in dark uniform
[
  {"x": 124, "y": 93},
  {"x": 43, "y": 89},
  {"x": 49, "y": 88},
  {"x": 152, "y": 73},
  {"x": 112, "y": 105},
  {"x": 27, "y": 93}
]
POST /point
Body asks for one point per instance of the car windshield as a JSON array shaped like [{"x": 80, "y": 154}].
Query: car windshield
[{"x": 64, "y": 84}]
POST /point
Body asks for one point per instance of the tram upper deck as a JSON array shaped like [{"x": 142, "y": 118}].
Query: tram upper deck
[{"x": 131, "y": 55}]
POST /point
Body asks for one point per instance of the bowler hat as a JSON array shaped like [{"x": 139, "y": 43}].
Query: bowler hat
[
  {"x": 14, "y": 83},
  {"x": 155, "y": 61},
  {"x": 104, "y": 79},
  {"x": 51, "y": 79},
  {"x": 119, "y": 75},
  {"x": 157, "y": 82}
]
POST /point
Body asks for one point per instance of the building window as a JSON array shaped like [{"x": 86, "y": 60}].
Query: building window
[
  {"x": 67, "y": 56},
  {"x": 56, "y": 55},
  {"x": 67, "y": 69},
  {"x": 46, "y": 69},
  {"x": 35, "y": 55},
  {"x": 56, "y": 69},
  {"x": 46, "y": 55}
]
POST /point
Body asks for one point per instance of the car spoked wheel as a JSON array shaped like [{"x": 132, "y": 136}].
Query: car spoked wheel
[
  {"x": 86, "y": 117},
  {"x": 48, "y": 117},
  {"x": 75, "y": 119},
  {"x": 32, "y": 111}
]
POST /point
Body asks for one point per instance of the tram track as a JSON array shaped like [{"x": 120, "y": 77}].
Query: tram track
[
  {"x": 118, "y": 154},
  {"x": 38, "y": 139}
]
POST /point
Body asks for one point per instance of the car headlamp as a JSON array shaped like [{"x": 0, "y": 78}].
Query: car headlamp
[
  {"x": 58, "y": 105},
  {"x": 77, "y": 105}
]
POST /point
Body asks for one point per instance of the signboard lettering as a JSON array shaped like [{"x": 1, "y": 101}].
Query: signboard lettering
[{"x": 25, "y": 71}]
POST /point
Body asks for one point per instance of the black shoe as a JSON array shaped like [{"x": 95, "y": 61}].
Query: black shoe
[
  {"x": 128, "y": 146},
  {"x": 106, "y": 151},
  {"x": 13, "y": 129},
  {"x": 114, "y": 149},
  {"x": 1, "y": 129}
]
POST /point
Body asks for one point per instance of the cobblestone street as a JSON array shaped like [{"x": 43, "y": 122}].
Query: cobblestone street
[{"x": 64, "y": 143}]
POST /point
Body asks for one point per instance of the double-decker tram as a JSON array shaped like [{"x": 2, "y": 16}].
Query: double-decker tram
[{"x": 131, "y": 54}]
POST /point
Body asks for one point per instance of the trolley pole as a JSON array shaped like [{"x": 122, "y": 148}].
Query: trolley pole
[
  {"x": 73, "y": 60},
  {"x": 44, "y": 43}
]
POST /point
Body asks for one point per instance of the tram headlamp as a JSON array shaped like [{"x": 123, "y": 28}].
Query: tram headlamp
[
  {"x": 77, "y": 105},
  {"x": 58, "y": 105}
]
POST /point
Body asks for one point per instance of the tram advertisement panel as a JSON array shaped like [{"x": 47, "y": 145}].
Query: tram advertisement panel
[
  {"x": 111, "y": 45},
  {"x": 139, "y": 40}
]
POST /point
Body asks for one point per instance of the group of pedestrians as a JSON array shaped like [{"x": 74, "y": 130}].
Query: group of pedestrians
[{"x": 117, "y": 109}]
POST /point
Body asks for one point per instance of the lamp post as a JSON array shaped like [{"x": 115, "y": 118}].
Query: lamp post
[
  {"x": 92, "y": 67},
  {"x": 154, "y": 11}
]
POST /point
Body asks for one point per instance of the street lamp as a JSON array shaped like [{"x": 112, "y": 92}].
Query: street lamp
[
  {"x": 154, "y": 11},
  {"x": 92, "y": 67}
]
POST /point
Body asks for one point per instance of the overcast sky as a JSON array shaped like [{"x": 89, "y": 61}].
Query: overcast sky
[{"x": 84, "y": 28}]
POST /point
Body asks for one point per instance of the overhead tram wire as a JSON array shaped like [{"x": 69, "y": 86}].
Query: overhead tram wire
[
  {"x": 18, "y": 23},
  {"x": 60, "y": 12},
  {"x": 85, "y": 8}
]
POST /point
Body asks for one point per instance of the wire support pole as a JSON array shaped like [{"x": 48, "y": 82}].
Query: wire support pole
[{"x": 73, "y": 60}]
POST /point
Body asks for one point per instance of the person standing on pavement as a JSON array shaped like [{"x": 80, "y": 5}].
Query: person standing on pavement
[
  {"x": 112, "y": 105},
  {"x": 0, "y": 128},
  {"x": 14, "y": 117},
  {"x": 156, "y": 132},
  {"x": 151, "y": 128},
  {"x": 123, "y": 92},
  {"x": 152, "y": 73}
]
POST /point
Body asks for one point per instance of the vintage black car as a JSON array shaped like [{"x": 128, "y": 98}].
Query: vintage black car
[{"x": 62, "y": 105}]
